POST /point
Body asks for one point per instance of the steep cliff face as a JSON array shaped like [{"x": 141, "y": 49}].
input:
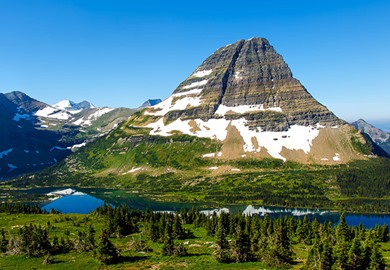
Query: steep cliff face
[{"x": 245, "y": 93}]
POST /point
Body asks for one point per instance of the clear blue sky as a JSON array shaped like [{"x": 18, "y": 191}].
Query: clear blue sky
[{"x": 120, "y": 53}]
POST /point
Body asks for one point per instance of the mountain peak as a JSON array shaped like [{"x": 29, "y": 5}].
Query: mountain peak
[
  {"x": 245, "y": 96},
  {"x": 68, "y": 105},
  {"x": 25, "y": 102},
  {"x": 151, "y": 102}
]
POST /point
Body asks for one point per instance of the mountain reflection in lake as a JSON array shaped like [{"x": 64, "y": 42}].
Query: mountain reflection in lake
[
  {"x": 75, "y": 203},
  {"x": 85, "y": 200}
]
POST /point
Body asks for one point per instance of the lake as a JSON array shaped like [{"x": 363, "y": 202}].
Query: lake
[{"x": 85, "y": 200}]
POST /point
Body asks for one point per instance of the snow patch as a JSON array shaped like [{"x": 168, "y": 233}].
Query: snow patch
[
  {"x": 237, "y": 76},
  {"x": 6, "y": 152},
  {"x": 195, "y": 84},
  {"x": 337, "y": 157},
  {"x": 77, "y": 146},
  {"x": 54, "y": 113},
  {"x": 222, "y": 109},
  {"x": 11, "y": 167},
  {"x": 58, "y": 148},
  {"x": 203, "y": 73},
  {"x": 133, "y": 170},
  {"x": 173, "y": 104},
  {"x": 19, "y": 116},
  {"x": 189, "y": 92},
  {"x": 87, "y": 121}
]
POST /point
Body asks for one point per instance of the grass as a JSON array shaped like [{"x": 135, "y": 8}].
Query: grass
[{"x": 200, "y": 248}]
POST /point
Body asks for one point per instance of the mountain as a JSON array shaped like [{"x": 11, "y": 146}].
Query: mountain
[
  {"x": 72, "y": 106},
  {"x": 380, "y": 137},
  {"x": 35, "y": 135},
  {"x": 245, "y": 96},
  {"x": 150, "y": 102}
]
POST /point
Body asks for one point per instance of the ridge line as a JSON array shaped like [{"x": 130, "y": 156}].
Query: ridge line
[{"x": 229, "y": 71}]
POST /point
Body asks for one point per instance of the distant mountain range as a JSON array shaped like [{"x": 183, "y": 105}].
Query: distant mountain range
[
  {"x": 380, "y": 137},
  {"x": 35, "y": 135}
]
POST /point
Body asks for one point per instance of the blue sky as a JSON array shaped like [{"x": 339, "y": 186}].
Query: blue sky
[{"x": 120, "y": 53}]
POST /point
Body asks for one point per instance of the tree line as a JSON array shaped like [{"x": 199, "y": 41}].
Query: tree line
[{"x": 238, "y": 238}]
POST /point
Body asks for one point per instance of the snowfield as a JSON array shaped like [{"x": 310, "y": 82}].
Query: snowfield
[
  {"x": 6, "y": 152},
  {"x": 222, "y": 109},
  {"x": 87, "y": 121},
  {"x": 202, "y": 73},
  {"x": 296, "y": 138}
]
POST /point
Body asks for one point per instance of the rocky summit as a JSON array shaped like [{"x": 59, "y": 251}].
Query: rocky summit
[{"x": 245, "y": 96}]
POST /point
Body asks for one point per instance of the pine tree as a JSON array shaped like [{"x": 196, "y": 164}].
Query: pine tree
[
  {"x": 91, "y": 238},
  {"x": 178, "y": 231},
  {"x": 341, "y": 253},
  {"x": 168, "y": 246},
  {"x": 241, "y": 246},
  {"x": 355, "y": 255},
  {"x": 384, "y": 233},
  {"x": 105, "y": 250},
  {"x": 342, "y": 230},
  {"x": 221, "y": 253},
  {"x": 326, "y": 258},
  {"x": 3, "y": 242},
  {"x": 376, "y": 259}
]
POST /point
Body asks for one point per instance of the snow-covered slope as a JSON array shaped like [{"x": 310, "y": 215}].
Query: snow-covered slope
[{"x": 34, "y": 135}]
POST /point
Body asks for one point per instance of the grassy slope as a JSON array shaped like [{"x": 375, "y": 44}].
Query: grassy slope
[{"x": 200, "y": 248}]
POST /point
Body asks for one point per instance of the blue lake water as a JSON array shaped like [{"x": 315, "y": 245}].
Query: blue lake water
[
  {"x": 86, "y": 200},
  {"x": 82, "y": 204}
]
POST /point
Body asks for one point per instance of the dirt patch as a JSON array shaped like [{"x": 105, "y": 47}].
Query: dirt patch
[
  {"x": 225, "y": 169},
  {"x": 333, "y": 146},
  {"x": 232, "y": 146},
  {"x": 193, "y": 126},
  {"x": 295, "y": 155}
]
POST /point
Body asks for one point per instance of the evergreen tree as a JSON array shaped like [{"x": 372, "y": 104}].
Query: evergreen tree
[
  {"x": 241, "y": 246},
  {"x": 105, "y": 250},
  {"x": 384, "y": 237},
  {"x": 221, "y": 253},
  {"x": 341, "y": 254},
  {"x": 3, "y": 242},
  {"x": 342, "y": 230},
  {"x": 178, "y": 231},
  {"x": 326, "y": 258},
  {"x": 168, "y": 246},
  {"x": 376, "y": 259},
  {"x": 355, "y": 255}
]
